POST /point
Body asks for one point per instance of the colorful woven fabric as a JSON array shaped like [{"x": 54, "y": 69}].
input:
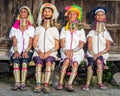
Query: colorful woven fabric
[{"x": 74, "y": 8}]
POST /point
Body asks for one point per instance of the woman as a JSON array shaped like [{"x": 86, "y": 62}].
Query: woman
[
  {"x": 99, "y": 42},
  {"x": 46, "y": 44},
  {"x": 21, "y": 34},
  {"x": 72, "y": 40}
]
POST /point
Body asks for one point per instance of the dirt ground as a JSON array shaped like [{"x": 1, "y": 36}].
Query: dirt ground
[
  {"x": 7, "y": 81},
  {"x": 5, "y": 90}
]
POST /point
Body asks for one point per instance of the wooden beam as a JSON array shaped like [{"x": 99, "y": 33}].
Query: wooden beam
[{"x": 108, "y": 26}]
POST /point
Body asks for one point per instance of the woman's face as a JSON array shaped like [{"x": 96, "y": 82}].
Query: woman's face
[
  {"x": 23, "y": 13},
  {"x": 47, "y": 13},
  {"x": 100, "y": 16},
  {"x": 72, "y": 16}
]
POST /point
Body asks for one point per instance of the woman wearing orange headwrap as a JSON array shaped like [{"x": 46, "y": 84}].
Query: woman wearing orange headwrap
[{"x": 46, "y": 44}]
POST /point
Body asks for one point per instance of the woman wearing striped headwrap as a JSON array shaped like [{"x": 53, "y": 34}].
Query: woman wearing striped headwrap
[{"x": 72, "y": 40}]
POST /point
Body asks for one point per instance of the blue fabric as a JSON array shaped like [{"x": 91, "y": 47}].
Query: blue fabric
[
  {"x": 99, "y": 7},
  {"x": 93, "y": 62},
  {"x": 21, "y": 60}
]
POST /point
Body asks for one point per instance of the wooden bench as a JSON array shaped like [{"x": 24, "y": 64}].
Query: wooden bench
[
  {"x": 113, "y": 57},
  {"x": 4, "y": 56},
  {"x": 55, "y": 76}
]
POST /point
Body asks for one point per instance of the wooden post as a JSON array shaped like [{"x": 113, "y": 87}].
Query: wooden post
[
  {"x": 36, "y": 6},
  {"x": 53, "y": 2},
  {"x": 40, "y": 2},
  {"x": 117, "y": 13},
  {"x": 84, "y": 12}
]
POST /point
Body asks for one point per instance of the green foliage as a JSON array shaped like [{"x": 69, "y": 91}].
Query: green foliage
[
  {"x": 107, "y": 75},
  {"x": 83, "y": 63}
]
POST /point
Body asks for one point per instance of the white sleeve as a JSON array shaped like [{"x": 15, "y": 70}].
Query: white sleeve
[
  {"x": 31, "y": 31},
  {"x": 107, "y": 36},
  {"x": 62, "y": 34},
  {"x": 12, "y": 32},
  {"x": 56, "y": 33},
  {"x": 37, "y": 31},
  {"x": 90, "y": 34},
  {"x": 82, "y": 36}
]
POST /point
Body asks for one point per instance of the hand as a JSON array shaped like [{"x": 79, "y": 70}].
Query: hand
[
  {"x": 70, "y": 56},
  {"x": 69, "y": 53},
  {"x": 16, "y": 55},
  {"x": 46, "y": 54},
  {"x": 96, "y": 56},
  {"x": 25, "y": 54},
  {"x": 40, "y": 54},
  {"x": 66, "y": 52}
]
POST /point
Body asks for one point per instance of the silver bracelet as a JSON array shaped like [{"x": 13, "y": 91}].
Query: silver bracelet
[
  {"x": 15, "y": 49},
  {"x": 76, "y": 49},
  {"x": 28, "y": 49},
  {"x": 104, "y": 51},
  {"x": 92, "y": 53},
  {"x": 36, "y": 49},
  {"x": 52, "y": 50}
]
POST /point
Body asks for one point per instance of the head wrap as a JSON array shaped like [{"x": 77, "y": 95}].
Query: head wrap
[
  {"x": 76, "y": 9},
  {"x": 55, "y": 12},
  {"x": 98, "y": 9},
  {"x": 30, "y": 17},
  {"x": 99, "y": 26}
]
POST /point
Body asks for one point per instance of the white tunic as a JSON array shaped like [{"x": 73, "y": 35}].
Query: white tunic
[
  {"x": 46, "y": 40},
  {"x": 99, "y": 42},
  {"x": 72, "y": 41},
  {"x": 22, "y": 38}
]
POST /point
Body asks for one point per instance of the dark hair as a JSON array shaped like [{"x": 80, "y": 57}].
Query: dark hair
[{"x": 48, "y": 8}]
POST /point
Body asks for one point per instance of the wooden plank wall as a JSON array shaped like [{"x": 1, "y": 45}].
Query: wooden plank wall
[
  {"x": 113, "y": 20},
  {"x": 9, "y": 9}
]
